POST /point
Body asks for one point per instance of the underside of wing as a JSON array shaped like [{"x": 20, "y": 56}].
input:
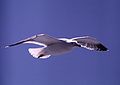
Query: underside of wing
[{"x": 90, "y": 43}]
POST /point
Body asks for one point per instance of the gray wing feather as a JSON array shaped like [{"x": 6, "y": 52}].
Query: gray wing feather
[
  {"x": 90, "y": 43},
  {"x": 37, "y": 39},
  {"x": 45, "y": 39}
]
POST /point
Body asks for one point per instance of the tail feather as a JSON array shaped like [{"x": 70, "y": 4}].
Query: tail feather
[{"x": 37, "y": 52}]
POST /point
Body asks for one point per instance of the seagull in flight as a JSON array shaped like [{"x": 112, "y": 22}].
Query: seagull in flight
[{"x": 53, "y": 46}]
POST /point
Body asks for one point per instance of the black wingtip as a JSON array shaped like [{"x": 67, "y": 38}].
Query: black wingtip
[
  {"x": 7, "y": 46},
  {"x": 20, "y": 42},
  {"x": 101, "y": 48},
  {"x": 10, "y": 45}
]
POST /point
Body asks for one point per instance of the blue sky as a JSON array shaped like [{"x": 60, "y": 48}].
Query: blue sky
[{"x": 60, "y": 18}]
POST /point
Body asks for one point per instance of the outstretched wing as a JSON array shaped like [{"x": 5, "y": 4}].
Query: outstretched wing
[
  {"x": 40, "y": 39},
  {"x": 90, "y": 43}
]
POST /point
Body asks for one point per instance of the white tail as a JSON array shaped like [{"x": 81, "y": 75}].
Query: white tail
[{"x": 36, "y": 52}]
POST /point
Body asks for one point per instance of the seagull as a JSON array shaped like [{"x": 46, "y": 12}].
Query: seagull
[{"x": 53, "y": 46}]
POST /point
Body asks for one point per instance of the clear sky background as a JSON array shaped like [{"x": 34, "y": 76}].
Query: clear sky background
[{"x": 20, "y": 19}]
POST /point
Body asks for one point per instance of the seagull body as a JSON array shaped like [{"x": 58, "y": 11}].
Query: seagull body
[{"x": 54, "y": 46}]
